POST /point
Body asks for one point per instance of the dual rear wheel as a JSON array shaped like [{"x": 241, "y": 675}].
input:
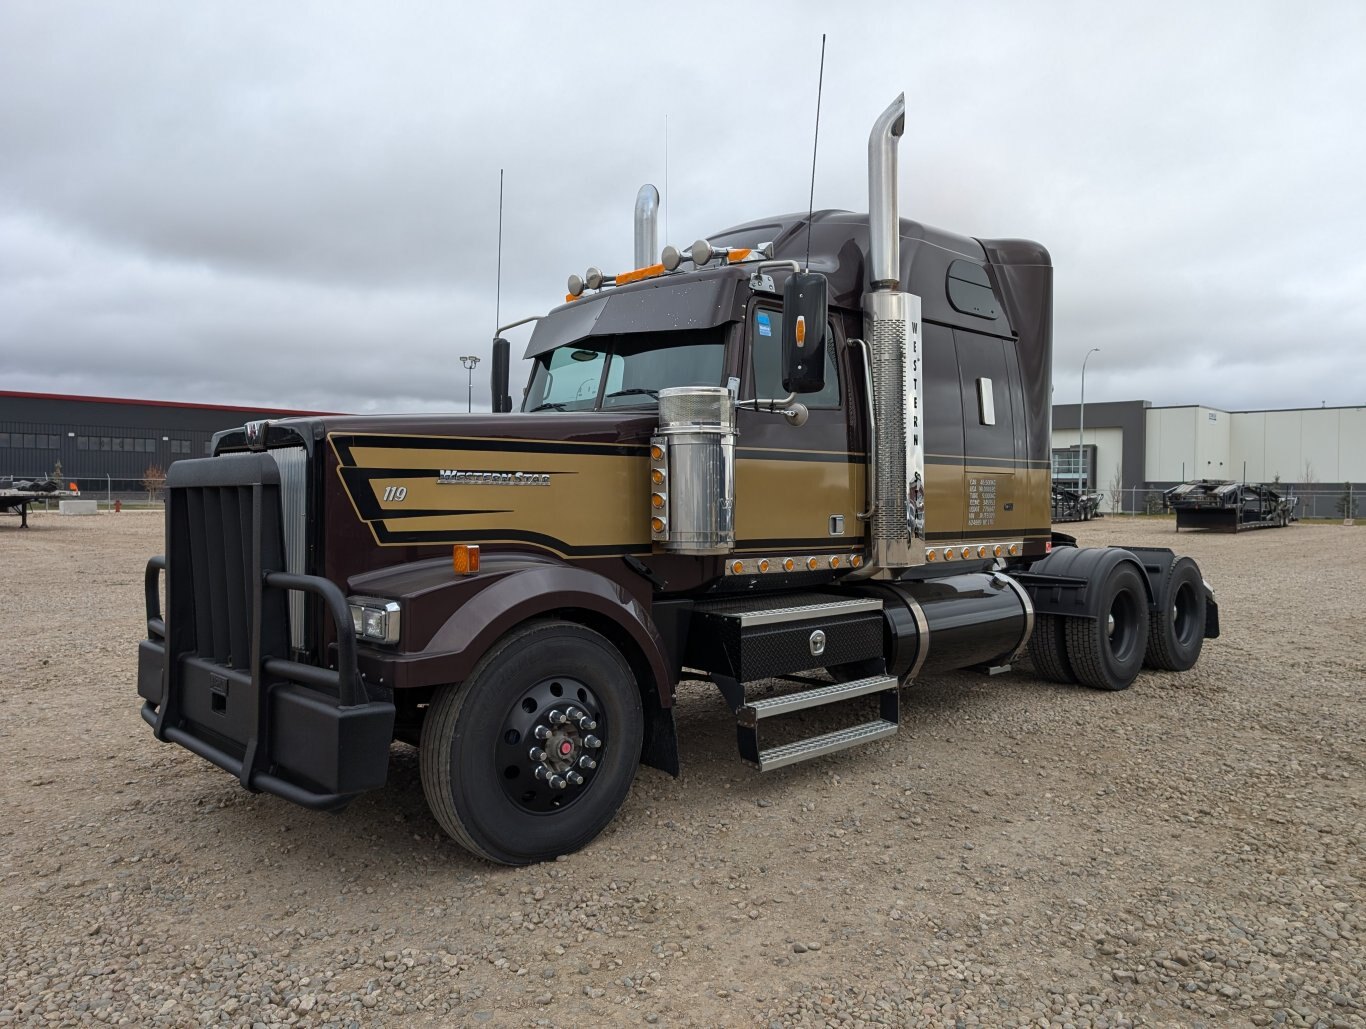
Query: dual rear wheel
[{"x": 1107, "y": 652}]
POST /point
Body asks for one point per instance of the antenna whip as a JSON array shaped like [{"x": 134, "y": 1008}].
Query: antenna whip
[
  {"x": 498, "y": 286},
  {"x": 811, "y": 209}
]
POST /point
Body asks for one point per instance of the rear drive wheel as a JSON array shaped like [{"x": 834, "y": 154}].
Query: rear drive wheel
[
  {"x": 532, "y": 756},
  {"x": 1107, "y": 652},
  {"x": 1177, "y": 633},
  {"x": 1048, "y": 649}
]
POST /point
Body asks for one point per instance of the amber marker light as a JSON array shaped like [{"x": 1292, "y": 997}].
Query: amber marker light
[
  {"x": 737, "y": 567},
  {"x": 738, "y": 254},
  {"x": 657, "y": 524},
  {"x": 657, "y": 476},
  {"x": 465, "y": 558},
  {"x": 789, "y": 564},
  {"x": 981, "y": 551},
  {"x": 835, "y": 561},
  {"x": 1014, "y": 548},
  {"x": 656, "y": 452},
  {"x": 949, "y": 554},
  {"x": 801, "y": 330},
  {"x": 811, "y": 564},
  {"x": 998, "y": 550},
  {"x": 763, "y": 565},
  {"x": 657, "y": 499},
  {"x": 856, "y": 561}
]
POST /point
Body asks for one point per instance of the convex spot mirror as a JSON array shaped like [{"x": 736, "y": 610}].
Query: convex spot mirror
[{"x": 805, "y": 315}]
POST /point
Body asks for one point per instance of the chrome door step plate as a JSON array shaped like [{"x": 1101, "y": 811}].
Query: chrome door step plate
[
  {"x": 748, "y": 612},
  {"x": 818, "y": 746},
  {"x": 754, "y": 710}
]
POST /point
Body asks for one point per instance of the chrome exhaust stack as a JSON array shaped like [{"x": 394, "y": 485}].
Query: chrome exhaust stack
[
  {"x": 647, "y": 226},
  {"x": 891, "y": 321}
]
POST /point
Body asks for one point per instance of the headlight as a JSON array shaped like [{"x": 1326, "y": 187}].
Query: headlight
[{"x": 375, "y": 619}]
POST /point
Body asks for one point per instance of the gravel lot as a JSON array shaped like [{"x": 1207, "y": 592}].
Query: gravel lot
[{"x": 1189, "y": 852}]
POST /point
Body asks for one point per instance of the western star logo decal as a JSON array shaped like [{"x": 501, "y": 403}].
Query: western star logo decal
[{"x": 455, "y": 477}]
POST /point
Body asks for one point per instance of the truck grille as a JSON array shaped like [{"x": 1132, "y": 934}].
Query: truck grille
[{"x": 293, "y": 465}]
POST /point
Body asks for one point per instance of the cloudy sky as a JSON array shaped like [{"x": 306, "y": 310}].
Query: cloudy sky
[{"x": 296, "y": 205}]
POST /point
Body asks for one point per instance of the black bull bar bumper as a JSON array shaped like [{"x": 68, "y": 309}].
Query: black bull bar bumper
[{"x": 214, "y": 673}]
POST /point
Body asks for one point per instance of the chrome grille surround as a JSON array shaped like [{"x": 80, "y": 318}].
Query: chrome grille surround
[{"x": 293, "y": 465}]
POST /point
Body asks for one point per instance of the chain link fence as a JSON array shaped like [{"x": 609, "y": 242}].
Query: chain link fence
[{"x": 1335, "y": 503}]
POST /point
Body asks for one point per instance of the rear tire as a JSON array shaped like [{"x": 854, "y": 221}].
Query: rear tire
[
  {"x": 1177, "y": 633},
  {"x": 1048, "y": 649},
  {"x": 483, "y": 784},
  {"x": 1106, "y": 652}
]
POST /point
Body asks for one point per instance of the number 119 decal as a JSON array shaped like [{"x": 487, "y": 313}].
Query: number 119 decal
[{"x": 395, "y": 494}]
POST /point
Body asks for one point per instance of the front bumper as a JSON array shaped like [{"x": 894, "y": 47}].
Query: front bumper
[{"x": 214, "y": 674}]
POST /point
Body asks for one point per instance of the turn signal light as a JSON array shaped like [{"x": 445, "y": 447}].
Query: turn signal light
[{"x": 465, "y": 558}]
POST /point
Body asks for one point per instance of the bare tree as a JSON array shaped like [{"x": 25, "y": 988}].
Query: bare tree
[
  {"x": 154, "y": 481},
  {"x": 1116, "y": 490}
]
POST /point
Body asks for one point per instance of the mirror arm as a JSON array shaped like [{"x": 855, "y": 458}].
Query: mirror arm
[{"x": 789, "y": 407}]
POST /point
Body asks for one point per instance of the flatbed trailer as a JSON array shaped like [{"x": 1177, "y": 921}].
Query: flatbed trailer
[
  {"x": 19, "y": 500},
  {"x": 1071, "y": 505},
  {"x": 1222, "y": 506}
]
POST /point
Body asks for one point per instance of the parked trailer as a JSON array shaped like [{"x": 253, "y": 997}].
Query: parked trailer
[
  {"x": 1222, "y": 506},
  {"x": 1071, "y": 505},
  {"x": 18, "y": 495},
  {"x": 729, "y": 463}
]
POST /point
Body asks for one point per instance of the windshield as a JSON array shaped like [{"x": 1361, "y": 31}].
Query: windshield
[{"x": 624, "y": 371}]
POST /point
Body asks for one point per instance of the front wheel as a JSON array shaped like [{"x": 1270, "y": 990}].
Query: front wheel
[{"x": 532, "y": 755}]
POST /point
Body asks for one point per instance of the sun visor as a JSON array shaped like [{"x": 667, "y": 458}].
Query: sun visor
[{"x": 698, "y": 304}]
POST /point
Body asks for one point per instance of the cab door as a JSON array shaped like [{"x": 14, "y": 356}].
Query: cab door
[{"x": 798, "y": 488}]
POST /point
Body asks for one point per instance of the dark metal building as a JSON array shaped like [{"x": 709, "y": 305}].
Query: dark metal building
[{"x": 107, "y": 442}]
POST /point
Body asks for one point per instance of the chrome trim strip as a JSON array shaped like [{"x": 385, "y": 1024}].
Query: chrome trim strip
[
  {"x": 1023, "y": 594},
  {"x": 777, "y": 615},
  {"x": 922, "y": 625}
]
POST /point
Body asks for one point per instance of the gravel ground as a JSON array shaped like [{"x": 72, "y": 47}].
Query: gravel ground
[{"x": 1189, "y": 852}]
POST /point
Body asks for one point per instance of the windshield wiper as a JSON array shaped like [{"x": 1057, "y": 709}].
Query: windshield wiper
[
  {"x": 635, "y": 391},
  {"x": 548, "y": 406}
]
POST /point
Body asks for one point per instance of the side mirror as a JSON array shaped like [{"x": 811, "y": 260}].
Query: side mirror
[
  {"x": 498, "y": 383},
  {"x": 805, "y": 315}
]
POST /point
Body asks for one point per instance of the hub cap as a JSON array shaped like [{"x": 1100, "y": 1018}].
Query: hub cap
[{"x": 551, "y": 744}]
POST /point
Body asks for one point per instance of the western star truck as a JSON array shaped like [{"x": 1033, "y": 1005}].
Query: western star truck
[{"x": 807, "y": 459}]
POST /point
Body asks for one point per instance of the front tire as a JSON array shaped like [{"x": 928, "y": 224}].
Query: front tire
[
  {"x": 1106, "y": 652},
  {"x": 533, "y": 754}
]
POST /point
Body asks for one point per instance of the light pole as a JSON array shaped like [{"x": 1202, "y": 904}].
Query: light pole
[
  {"x": 1081, "y": 422},
  {"x": 469, "y": 361}
]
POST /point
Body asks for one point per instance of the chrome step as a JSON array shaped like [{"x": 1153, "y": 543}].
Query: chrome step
[
  {"x": 818, "y": 746},
  {"x": 753, "y": 710},
  {"x": 752, "y": 611}
]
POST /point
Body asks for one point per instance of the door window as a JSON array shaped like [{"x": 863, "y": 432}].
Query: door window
[{"x": 766, "y": 355}]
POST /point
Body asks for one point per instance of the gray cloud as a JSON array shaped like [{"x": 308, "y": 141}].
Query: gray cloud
[{"x": 297, "y": 206}]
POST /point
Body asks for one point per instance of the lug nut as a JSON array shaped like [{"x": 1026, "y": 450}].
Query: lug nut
[
  {"x": 557, "y": 782},
  {"x": 557, "y": 717},
  {"x": 592, "y": 742},
  {"x": 542, "y": 732},
  {"x": 541, "y": 773},
  {"x": 537, "y": 754},
  {"x": 587, "y": 724},
  {"x": 575, "y": 778},
  {"x": 587, "y": 762}
]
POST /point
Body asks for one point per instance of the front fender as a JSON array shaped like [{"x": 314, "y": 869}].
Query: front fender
[{"x": 482, "y": 609}]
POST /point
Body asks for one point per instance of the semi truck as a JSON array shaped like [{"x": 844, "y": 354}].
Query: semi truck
[{"x": 807, "y": 460}]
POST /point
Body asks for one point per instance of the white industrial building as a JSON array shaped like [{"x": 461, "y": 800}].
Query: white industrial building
[{"x": 1134, "y": 446}]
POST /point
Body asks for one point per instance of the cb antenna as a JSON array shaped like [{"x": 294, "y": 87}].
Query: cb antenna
[
  {"x": 811, "y": 208},
  {"x": 498, "y": 283}
]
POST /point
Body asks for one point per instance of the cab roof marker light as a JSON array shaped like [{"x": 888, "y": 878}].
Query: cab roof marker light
[{"x": 652, "y": 271}]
